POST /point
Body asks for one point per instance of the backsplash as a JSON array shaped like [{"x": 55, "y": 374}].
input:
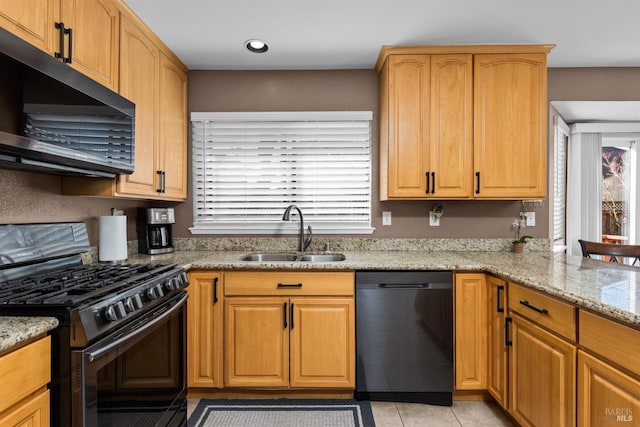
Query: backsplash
[{"x": 337, "y": 244}]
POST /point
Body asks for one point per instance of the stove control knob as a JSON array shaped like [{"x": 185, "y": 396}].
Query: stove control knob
[
  {"x": 115, "y": 311},
  {"x": 170, "y": 285},
  {"x": 155, "y": 292},
  {"x": 182, "y": 280},
  {"x": 133, "y": 303}
]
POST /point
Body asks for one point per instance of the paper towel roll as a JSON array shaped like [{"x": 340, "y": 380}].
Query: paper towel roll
[{"x": 112, "y": 245}]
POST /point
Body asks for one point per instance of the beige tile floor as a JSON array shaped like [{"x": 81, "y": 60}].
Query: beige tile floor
[{"x": 462, "y": 413}]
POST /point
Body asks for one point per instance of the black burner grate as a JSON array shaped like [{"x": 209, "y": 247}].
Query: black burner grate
[{"x": 75, "y": 285}]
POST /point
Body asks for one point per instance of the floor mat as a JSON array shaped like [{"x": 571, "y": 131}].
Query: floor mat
[{"x": 281, "y": 413}]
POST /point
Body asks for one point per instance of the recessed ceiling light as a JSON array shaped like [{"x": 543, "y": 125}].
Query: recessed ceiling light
[{"x": 256, "y": 46}]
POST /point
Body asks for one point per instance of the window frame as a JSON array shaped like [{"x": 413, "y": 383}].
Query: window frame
[{"x": 274, "y": 225}]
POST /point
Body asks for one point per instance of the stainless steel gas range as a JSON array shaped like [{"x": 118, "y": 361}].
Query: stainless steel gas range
[{"x": 119, "y": 354}]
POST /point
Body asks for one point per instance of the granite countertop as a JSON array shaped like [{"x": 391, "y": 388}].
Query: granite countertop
[
  {"x": 15, "y": 330},
  {"x": 610, "y": 289}
]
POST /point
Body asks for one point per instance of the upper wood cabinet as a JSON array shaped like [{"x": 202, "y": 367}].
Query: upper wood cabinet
[
  {"x": 156, "y": 81},
  {"x": 463, "y": 122},
  {"x": 425, "y": 138},
  {"x": 32, "y": 21},
  {"x": 95, "y": 38},
  {"x": 90, "y": 43},
  {"x": 510, "y": 133}
]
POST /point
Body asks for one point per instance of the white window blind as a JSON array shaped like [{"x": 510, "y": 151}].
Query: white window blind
[
  {"x": 248, "y": 167},
  {"x": 559, "y": 180}
]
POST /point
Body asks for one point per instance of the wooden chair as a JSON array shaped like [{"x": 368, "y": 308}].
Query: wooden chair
[{"x": 615, "y": 253}]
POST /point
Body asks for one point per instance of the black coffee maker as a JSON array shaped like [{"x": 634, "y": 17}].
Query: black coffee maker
[{"x": 155, "y": 230}]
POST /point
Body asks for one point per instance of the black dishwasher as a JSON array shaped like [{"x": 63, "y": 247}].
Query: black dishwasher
[{"x": 404, "y": 341}]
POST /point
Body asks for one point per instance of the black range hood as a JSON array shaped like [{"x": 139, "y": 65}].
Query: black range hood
[{"x": 55, "y": 120}]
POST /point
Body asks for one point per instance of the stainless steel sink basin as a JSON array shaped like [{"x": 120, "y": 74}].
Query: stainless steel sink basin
[
  {"x": 322, "y": 257},
  {"x": 284, "y": 257},
  {"x": 270, "y": 257}
]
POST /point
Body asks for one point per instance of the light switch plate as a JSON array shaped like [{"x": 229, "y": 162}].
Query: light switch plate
[{"x": 386, "y": 218}]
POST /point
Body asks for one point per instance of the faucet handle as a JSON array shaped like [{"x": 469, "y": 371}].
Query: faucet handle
[{"x": 307, "y": 241}]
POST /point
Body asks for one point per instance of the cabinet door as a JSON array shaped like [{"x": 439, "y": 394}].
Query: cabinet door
[
  {"x": 256, "y": 334},
  {"x": 204, "y": 330},
  {"x": 32, "y": 21},
  {"x": 95, "y": 40},
  {"x": 542, "y": 377},
  {"x": 404, "y": 150},
  {"x": 606, "y": 396},
  {"x": 471, "y": 331},
  {"x": 30, "y": 413},
  {"x": 451, "y": 127},
  {"x": 139, "y": 83},
  {"x": 322, "y": 342},
  {"x": 510, "y": 92},
  {"x": 497, "y": 362},
  {"x": 173, "y": 129}
]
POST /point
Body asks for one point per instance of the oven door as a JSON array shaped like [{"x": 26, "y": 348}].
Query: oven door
[{"x": 135, "y": 376}]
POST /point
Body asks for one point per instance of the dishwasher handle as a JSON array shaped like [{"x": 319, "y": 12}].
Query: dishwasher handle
[
  {"x": 405, "y": 285},
  {"x": 428, "y": 285}
]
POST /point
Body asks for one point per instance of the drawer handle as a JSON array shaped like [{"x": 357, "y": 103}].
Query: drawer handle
[
  {"x": 289, "y": 285},
  {"x": 534, "y": 308}
]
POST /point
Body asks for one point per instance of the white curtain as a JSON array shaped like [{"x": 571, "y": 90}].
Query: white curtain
[{"x": 584, "y": 188}]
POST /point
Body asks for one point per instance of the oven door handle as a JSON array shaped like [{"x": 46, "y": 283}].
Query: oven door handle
[{"x": 100, "y": 351}]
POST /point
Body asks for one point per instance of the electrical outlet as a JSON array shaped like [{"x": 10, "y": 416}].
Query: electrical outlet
[
  {"x": 386, "y": 218},
  {"x": 530, "y": 219},
  {"x": 434, "y": 220}
]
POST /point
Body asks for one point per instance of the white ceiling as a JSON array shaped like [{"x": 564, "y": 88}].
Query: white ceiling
[
  {"x": 598, "y": 111},
  {"x": 344, "y": 34}
]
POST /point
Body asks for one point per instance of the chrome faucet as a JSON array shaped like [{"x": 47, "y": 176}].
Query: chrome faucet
[{"x": 304, "y": 243}]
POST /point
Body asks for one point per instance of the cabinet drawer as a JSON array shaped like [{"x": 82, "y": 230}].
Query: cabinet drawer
[
  {"x": 611, "y": 340},
  {"x": 288, "y": 283},
  {"x": 546, "y": 311},
  {"x": 24, "y": 371}
]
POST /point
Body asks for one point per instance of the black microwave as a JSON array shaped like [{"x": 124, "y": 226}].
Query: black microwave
[{"x": 54, "y": 119}]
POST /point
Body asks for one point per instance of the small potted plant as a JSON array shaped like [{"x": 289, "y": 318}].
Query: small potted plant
[{"x": 518, "y": 243}]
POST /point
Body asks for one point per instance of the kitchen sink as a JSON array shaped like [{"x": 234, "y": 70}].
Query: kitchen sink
[
  {"x": 270, "y": 257},
  {"x": 322, "y": 257},
  {"x": 289, "y": 257}
]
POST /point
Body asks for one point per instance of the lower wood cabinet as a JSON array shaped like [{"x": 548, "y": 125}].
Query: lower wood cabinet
[
  {"x": 204, "y": 329},
  {"x": 606, "y": 395},
  {"x": 543, "y": 360},
  {"x": 608, "y": 372},
  {"x": 497, "y": 347},
  {"x": 470, "y": 307},
  {"x": 289, "y": 330},
  {"x": 542, "y": 376},
  {"x": 24, "y": 397}
]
